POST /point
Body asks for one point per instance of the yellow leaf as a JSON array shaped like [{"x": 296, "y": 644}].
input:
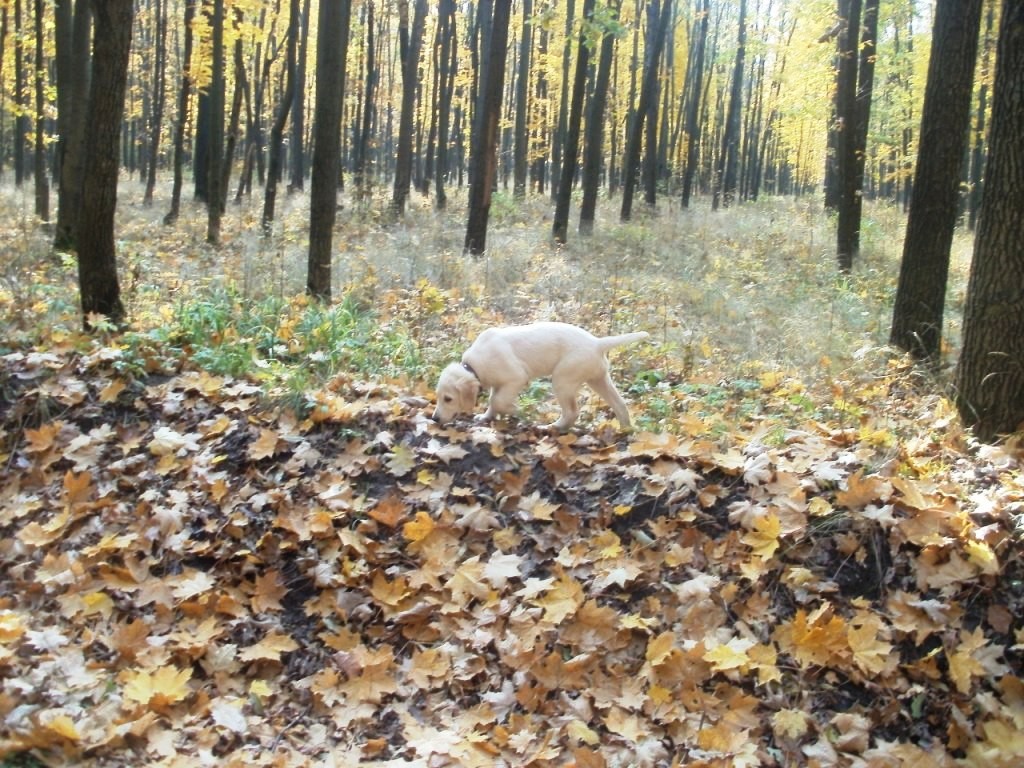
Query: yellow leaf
[
  {"x": 419, "y": 528},
  {"x": 764, "y": 539},
  {"x": 731, "y": 655},
  {"x": 790, "y": 723},
  {"x": 982, "y": 555},
  {"x": 110, "y": 392},
  {"x": 64, "y": 726},
  {"x": 166, "y": 685},
  {"x": 660, "y": 648}
]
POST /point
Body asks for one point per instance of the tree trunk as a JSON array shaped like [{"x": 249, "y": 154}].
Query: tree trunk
[
  {"x": 978, "y": 152},
  {"x": 331, "y": 55},
  {"x": 179, "y": 127},
  {"x": 280, "y": 120},
  {"x": 693, "y": 125},
  {"x": 593, "y": 146},
  {"x": 97, "y": 258},
  {"x": 360, "y": 150},
  {"x": 854, "y": 143},
  {"x": 410, "y": 43},
  {"x": 725, "y": 176},
  {"x": 42, "y": 183},
  {"x": 990, "y": 375},
  {"x": 156, "y": 118},
  {"x": 215, "y": 199},
  {"x": 563, "y": 103},
  {"x": 449, "y": 65},
  {"x": 560, "y": 225},
  {"x": 921, "y": 291},
  {"x": 296, "y": 143},
  {"x": 652, "y": 57},
  {"x": 521, "y": 151},
  {"x": 24, "y": 109},
  {"x": 484, "y": 159}
]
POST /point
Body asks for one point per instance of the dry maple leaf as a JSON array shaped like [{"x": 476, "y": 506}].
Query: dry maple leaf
[
  {"x": 764, "y": 539},
  {"x": 157, "y": 689},
  {"x": 264, "y": 446},
  {"x": 268, "y": 592}
]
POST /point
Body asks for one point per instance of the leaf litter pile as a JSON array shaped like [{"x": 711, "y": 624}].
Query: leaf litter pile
[{"x": 189, "y": 576}]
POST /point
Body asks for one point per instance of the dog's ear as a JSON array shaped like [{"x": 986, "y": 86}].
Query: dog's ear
[{"x": 469, "y": 390}]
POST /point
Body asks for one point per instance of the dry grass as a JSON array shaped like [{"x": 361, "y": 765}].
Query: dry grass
[{"x": 750, "y": 288}]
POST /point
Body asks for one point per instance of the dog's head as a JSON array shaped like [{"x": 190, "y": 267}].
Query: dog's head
[{"x": 457, "y": 390}]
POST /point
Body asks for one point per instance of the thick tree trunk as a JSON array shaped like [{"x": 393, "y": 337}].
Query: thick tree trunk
[
  {"x": 97, "y": 258},
  {"x": 331, "y": 55},
  {"x": 921, "y": 291},
  {"x": 990, "y": 375}
]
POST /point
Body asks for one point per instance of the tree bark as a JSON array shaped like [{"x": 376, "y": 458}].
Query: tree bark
[
  {"x": 921, "y": 290},
  {"x": 978, "y": 151},
  {"x": 42, "y": 182},
  {"x": 521, "y": 150},
  {"x": 97, "y": 259},
  {"x": 296, "y": 142},
  {"x": 159, "y": 87},
  {"x": 331, "y": 55},
  {"x": 280, "y": 120},
  {"x": 560, "y": 224},
  {"x": 990, "y": 375},
  {"x": 179, "y": 128},
  {"x": 484, "y": 159},
  {"x": 693, "y": 125},
  {"x": 448, "y": 67},
  {"x": 215, "y": 199},
  {"x": 410, "y": 43},
  {"x": 725, "y": 177},
  {"x": 563, "y": 103},
  {"x": 652, "y": 57},
  {"x": 593, "y": 146}
]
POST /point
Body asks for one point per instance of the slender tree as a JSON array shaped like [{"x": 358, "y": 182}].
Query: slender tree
[
  {"x": 484, "y": 160},
  {"x": 297, "y": 139},
  {"x": 593, "y": 146},
  {"x": 522, "y": 102},
  {"x": 97, "y": 258},
  {"x": 693, "y": 124},
  {"x": 361, "y": 146},
  {"x": 978, "y": 150},
  {"x": 726, "y": 175},
  {"x": 652, "y": 57},
  {"x": 560, "y": 225},
  {"x": 990, "y": 374},
  {"x": 184, "y": 92},
  {"x": 159, "y": 88},
  {"x": 215, "y": 201},
  {"x": 558, "y": 140},
  {"x": 280, "y": 120},
  {"x": 331, "y": 54},
  {"x": 410, "y": 43},
  {"x": 42, "y": 181},
  {"x": 448, "y": 66},
  {"x": 921, "y": 290}
]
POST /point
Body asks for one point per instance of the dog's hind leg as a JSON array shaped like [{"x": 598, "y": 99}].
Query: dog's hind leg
[{"x": 606, "y": 389}]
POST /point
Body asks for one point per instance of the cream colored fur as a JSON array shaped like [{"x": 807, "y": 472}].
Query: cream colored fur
[{"x": 505, "y": 360}]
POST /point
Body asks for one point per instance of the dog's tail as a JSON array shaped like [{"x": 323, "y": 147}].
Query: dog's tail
[{"x": 609, "y": 342}]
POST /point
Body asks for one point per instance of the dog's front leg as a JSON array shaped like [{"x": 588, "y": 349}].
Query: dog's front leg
[{"x": 502, "y": 401}]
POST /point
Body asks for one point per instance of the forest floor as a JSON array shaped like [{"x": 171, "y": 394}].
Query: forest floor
[{"x": 231, "y": 535}]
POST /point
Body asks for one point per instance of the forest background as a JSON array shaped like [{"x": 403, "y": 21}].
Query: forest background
[{"x": 229, "y": 531}]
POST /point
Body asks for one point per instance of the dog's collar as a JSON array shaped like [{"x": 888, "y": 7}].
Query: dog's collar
[{"x": 469, "y": 368}]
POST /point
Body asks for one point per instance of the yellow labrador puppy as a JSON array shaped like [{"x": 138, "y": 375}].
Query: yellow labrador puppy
[{"x": 505, "y": 360}]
